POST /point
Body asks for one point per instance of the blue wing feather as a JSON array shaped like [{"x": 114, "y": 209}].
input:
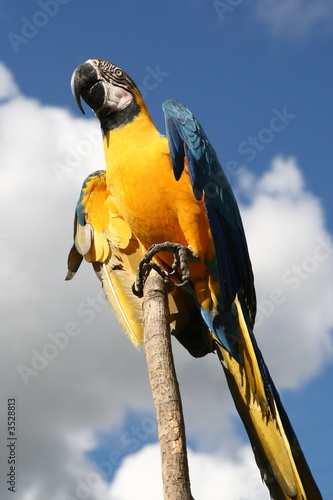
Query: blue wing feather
[{"x": 208, "y": 178}]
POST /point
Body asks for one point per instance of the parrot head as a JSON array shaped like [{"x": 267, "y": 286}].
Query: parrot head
[{"x": 108, "y": 90}]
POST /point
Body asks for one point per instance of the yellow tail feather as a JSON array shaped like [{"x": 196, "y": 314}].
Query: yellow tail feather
[{"x": 258, "y": 409}]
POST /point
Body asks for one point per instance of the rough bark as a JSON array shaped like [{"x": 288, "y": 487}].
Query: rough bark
[{"x": 165, "y": 390}]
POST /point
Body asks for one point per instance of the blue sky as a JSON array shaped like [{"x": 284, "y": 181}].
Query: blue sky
[{"x": 258, "y": 76}]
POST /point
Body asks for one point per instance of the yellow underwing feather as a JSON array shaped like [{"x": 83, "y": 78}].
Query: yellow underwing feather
[
  {"x": 100, "y": 248},
  {"x": 118, "y": 232},
  {"x": 117, "y": 285}
]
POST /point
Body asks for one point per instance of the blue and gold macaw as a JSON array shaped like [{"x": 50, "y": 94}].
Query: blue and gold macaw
[{"x": 158, "y": 189}]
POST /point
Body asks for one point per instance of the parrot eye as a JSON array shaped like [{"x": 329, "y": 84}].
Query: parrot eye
[{"x": 119, "y": 72}]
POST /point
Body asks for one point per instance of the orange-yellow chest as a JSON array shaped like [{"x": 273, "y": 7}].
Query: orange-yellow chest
[{"x": 141, "y": 180}]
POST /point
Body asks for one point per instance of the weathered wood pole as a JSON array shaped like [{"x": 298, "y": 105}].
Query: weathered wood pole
[{"x": 165, "y": 390}]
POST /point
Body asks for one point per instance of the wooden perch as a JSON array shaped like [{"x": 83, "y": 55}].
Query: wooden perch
[{"x": 165, "y": 390}]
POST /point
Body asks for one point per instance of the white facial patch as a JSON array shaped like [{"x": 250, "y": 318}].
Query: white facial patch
[{"x": 116, "y": 98}]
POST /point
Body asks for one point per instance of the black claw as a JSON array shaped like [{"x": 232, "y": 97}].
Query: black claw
[
  {"x": 137, "y": 291},
  {"x": 182, "y": 256}
]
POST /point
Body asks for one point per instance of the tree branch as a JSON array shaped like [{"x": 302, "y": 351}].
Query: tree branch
[{"x": 165, "y": 390}]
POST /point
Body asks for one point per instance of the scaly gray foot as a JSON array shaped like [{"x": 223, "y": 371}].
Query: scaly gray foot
[{"x": 182, "y": 256}]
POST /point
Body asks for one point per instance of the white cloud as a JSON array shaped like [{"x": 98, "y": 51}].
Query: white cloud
[
  {"x": 212, "y": 476},
  {"x": 295, "y": 19},
  {"x": 83, "y": 384},
  {"x": 292, "y": 257},
  {"x": 8, "y": 87}
]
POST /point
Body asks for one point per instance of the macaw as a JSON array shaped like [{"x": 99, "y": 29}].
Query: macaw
[{"x": 172, "y": 188}]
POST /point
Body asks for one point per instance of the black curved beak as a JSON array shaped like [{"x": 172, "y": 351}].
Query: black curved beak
[{"x": 83, "y": 84}]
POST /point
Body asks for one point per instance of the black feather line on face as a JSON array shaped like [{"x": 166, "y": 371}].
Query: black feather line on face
[{"x": 115, "y": 75}]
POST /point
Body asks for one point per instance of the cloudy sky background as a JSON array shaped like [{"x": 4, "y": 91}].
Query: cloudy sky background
[{"x": 86, "y": 426}]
